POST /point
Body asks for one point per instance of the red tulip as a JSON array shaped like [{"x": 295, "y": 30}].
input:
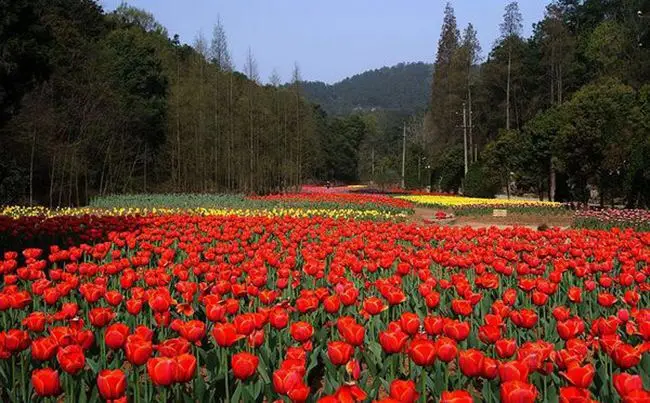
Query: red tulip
[
  {"x": 299, "y": 393},
  {"x": 244, "y": 323},
  {"x": 174, "y": 347},
  {"x": 35, "y": 322},
  {"x": 71, "y": 359},
  {"x": 244, "y": 365},
  {"x": 353, "y": 333},
  {"x": 575, "y": 294},
  {"x": 392, "y": 341},
  {"x": 461, "y": 307},
  {"x": 16, "y": 340},
  {"x": 339, "y": 352},
  {"x": 524, "y": 318},
  {"x": 111, "y": 383},
  {"x": 580, "y": 376},
  {"x": 432, "y": 300},
  {"x": 458, "y": 331},
  {"x": 505, "y": 348},
  {"x": 410, "y": 323},
  {"x": 570, "y": 328},
  {"x": 446, "y": 349},
  {"x": 162, "y": 370},
  {"x": 225, "y": 334},
  {"x": 573, "y": 394},
  {"x": 513, "y": 371},
  {"x": 471, "y": 362},
  {"x": 278, "y": 318},
  {"x": 44, "y": 349},
  {"x": 404, "y": 391},
  {"x": 46, "y": 382},
  {"x": 489, "y": 334},
  {"x": 137, "y": 349},
  {"x": 626, "y": 356},
  {"x": 456, "y": 396},
  {"x": 422, "y": 352},
  {"x": 193, "y": 331},
  {"x": 490, "y": 368},
  {"x": 374, "y": 306},
  {"x": 332, "y": 304},
  {"x": 285, "y": 380},
  {"x": 115, "y": 335},
  {"x": 637, "y": 396},
  {"x": 518, "y": 392},
  {"x": 301, "y": 331},
  {"x": 626, "y": 383},
  {"x": 100, "y": 317},
  {"x": 185, "y": 368}
]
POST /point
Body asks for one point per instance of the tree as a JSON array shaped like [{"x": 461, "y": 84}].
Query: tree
[
  {"x": 510, "y": 31},
  {"x": 504, "y": 156},
  {"x": 470, "y": 55},
  {"x": 557, "y": 47},
  {"x": 131, "y": 16},
  {"x": 219, "y": 53},
  {"x": 446, "y": 95},
  {"x": 596, "y": 138},
  {"x": 24, "y": 46}
]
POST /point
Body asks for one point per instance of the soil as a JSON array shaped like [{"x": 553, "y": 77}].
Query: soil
[{"x": 526, "y": 220}]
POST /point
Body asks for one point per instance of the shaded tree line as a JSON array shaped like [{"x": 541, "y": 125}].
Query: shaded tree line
[
  {"x": 93, "y": 103},
  {"x": 556, "y": 114}
]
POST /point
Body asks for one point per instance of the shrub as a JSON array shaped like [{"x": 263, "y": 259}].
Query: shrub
[{"x": 481, "y": 182}]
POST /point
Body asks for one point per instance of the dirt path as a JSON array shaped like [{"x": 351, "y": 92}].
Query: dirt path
[{"x": 422, "y": 214}]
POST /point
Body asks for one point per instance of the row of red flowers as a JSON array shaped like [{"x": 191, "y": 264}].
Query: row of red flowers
[{"x": 242, "y": 309}]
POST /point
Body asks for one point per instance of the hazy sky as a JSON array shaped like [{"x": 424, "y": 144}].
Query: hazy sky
[{"x": 330, "y": 39}]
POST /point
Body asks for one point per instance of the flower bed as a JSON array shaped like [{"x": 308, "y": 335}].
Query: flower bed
[
  {"x": 638, "y": 220},
  {"x": 463, "y": 206},
  {"x": 224, "y": 308}
]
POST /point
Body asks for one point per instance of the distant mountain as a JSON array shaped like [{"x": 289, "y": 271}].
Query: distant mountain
[{"x": 404, "y": 87}]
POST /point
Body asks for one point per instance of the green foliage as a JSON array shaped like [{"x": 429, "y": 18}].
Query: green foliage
[
  {"x": 24, "y": 48},
  {"x": 450, "y": 169},
  {"x": 596, "y": 137},
  {"x": 480, "y": 182}
]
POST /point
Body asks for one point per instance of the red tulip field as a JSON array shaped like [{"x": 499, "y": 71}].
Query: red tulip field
[{"x": 189, "y": 308}]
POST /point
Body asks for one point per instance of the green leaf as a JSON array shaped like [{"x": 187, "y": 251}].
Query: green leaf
[
  {"x": 94, "y": 365},
  {"x": 236, "y": 397},
  {"x": 263, "y": 372}
]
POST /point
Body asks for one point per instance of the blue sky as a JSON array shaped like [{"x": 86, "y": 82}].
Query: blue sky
[{"x": 330, "y": 39}]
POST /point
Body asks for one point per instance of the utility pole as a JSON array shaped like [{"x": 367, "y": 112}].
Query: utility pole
[
  {"x": 465, "y": 136},
  {"x": 404, "y": 157}
]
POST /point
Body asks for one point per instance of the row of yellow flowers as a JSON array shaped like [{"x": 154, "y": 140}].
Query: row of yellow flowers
[
  {"x": 23, "y": 211},
  {"x": 452, "y": 201}
]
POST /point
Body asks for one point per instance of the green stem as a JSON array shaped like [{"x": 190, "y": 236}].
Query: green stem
[{"x": 423, "y": 385}]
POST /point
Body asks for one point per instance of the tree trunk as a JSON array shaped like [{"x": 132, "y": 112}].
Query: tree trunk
[
  {"x": 551, "y": 185},
  {"x": 145, "y": 168},
  {"x": 52, "y": 177},
  {"x": 508, "y": 91},
  {"x": 31, "y": 169}
]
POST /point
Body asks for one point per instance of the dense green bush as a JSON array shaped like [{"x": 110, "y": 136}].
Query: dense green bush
[{"x": 480, "y": 182}]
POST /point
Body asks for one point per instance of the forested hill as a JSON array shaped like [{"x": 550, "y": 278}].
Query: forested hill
[{"x": 404, "y": 87}]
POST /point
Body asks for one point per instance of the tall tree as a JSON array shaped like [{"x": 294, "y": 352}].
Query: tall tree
[
  {"x": 445, "y": 95},
  {"x": 470, "y": 55},
  {"x": 510, "y": 31},
  {"x": 219, "y": 52},
  {"x": 250, "y": 69}
]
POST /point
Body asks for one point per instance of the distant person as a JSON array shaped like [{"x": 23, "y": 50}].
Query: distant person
[{"x": 327, "y": 184}]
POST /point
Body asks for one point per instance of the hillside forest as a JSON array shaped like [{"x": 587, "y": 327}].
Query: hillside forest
[{"x": 95, "y": 102}]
